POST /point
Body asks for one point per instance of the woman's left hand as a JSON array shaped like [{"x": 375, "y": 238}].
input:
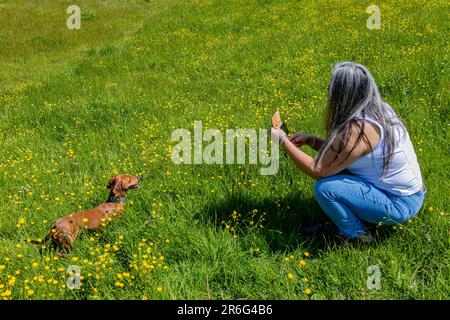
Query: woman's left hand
[{"x": 278, "y": 135}]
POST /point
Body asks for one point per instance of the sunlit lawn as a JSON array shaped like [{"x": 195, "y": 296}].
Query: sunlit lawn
[{"x": 78, "y": 106}]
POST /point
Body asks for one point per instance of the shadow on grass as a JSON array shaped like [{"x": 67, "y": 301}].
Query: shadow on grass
[
  {"x": 284, "y": 221},
  {"x": 283, "y": 217}
]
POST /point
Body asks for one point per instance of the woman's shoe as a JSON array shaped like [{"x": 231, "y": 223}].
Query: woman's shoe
[
  {"x": 366, "y": 238},
  {"x": 314, "y": 229}
]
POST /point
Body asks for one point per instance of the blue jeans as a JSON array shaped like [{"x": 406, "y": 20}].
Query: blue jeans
[{"x": 348, "y": 200}]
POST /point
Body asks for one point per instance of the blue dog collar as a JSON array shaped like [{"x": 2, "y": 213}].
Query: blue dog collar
[{"x": 113, "y": 198}]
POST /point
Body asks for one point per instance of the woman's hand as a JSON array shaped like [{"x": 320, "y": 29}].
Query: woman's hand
[
  {"x": 299, "y": 139},
  {"x": 278, "y": 135}
]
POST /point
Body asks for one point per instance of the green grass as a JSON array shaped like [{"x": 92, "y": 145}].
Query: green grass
[{"x": 78, "y": 106}]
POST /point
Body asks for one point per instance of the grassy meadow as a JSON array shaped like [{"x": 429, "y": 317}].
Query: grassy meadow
[{"x": 78, "y": 106}]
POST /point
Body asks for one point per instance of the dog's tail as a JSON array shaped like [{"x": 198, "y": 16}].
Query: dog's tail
[{"x": 41, "y": 242}]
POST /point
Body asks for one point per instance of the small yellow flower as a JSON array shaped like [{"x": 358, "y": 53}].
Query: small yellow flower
[
  {"x": 119, "y": 284},
  {"x": 308, "y": 291},
  {"x": 159, "y": 289},
  {"x": 75, "y": 259},
  {"x": 302, "y": 262},
  {"x": 70, "y": 153},
  {"x": 6, "y": 294},
  {"x": 430, "y": 209},
  {"x": 30, "y": 292},
  {"x": 12, "y": 281},
  {"x": 2, "y": 267},
  {"x": 34, "y": 264},
  {"x": 290, "y": 276},
  {"x": 306, "y": 254}
]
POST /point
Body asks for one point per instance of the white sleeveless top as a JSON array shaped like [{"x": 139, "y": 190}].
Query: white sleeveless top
[{"x": 403, "y": 177}]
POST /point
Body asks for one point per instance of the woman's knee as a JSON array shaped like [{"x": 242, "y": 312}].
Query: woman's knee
[
  {"x": 323, "y": 188},
  {"x": 332, "y": 187}
]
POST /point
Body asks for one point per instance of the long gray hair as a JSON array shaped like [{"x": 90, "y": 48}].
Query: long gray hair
[{"x": 353, "y": 95}]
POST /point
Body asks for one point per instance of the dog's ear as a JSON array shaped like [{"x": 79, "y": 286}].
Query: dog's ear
[{"x": 111, "y": 182}]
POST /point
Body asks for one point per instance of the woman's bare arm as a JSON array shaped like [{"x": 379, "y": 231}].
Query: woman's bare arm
[
  {"x": 315, "y": 142},
  {"x": 331, "y": 162},
  {"x": 299, "y": 139}
]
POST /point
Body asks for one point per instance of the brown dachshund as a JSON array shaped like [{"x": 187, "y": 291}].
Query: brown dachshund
[{"x": 65, "y": 231}]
